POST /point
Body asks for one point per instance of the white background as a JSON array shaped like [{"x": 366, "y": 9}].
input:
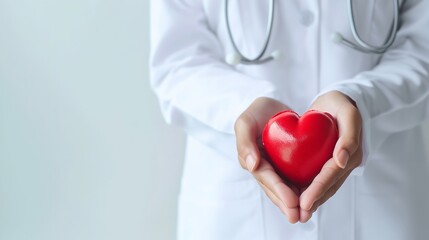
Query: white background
[{"x": 84, "y": 152}]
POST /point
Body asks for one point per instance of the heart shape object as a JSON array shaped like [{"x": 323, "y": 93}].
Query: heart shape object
[{"x": 298, "y": 147}]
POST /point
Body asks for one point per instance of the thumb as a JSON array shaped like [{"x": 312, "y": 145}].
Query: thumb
[
  {"x": 349, "y": 126},
  {"x": 246, "y": 132}
]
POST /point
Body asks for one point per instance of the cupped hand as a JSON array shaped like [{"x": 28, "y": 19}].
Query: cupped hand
[
  {"x": 248, "y": 129},
  {"x": 347, "y": 153}
]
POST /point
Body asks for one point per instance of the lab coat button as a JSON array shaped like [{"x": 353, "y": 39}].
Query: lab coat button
[{"x": 307, "y": 18}]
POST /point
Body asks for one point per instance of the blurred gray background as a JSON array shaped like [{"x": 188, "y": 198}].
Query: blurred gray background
[{"x": 84, "y": 151}]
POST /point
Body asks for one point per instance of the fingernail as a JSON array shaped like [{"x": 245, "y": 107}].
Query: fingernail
[
  {"x": 343, "y": 158},
  {"x": 250, "y": 162},
  {"x": 307, "y": 218}
]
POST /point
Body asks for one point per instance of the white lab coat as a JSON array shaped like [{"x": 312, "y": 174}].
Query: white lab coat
[{"x": 385, "y": 198}]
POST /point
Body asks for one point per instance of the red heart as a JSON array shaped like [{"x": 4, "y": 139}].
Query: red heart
[{"x": 299, "y": 147}]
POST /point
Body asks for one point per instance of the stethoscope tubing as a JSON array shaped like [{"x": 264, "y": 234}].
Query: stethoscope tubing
[
  {"x": 258, "y": 59},
  {"x": 360, "y": 44},
  {"x": 366, "y": 47}
]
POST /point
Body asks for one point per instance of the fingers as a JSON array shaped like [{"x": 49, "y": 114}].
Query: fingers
[
  {"x": 249, "y": 126},
  {"x": 327, "y": 177},
  {"x": 331, "y": 192},
  {"x": 268, "y": 177},
  {"x": 291, "y": 213},
  {"x": 246, "y": 131},
  {"x": 283, "y": 196},
  {"x": 349, "y": 126},
  {"x": 347, "y": 153},
  {"x": 306, "y": 215}
]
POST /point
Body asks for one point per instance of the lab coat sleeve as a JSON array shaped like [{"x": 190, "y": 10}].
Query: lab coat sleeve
[
  {"x": 394, "y": 95},
  {"x": 197, "y": 90}
]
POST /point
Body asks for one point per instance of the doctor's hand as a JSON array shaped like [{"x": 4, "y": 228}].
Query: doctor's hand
[
  {"x": 347, "y": 152},
  {"x": 248, "y": 129}
]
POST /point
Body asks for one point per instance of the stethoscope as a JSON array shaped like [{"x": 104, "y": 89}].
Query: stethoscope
[{"x": 239, "y": 58}]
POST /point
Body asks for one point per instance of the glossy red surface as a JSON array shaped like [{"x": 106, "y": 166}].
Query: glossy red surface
[{"x": 298, "y": 147}]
